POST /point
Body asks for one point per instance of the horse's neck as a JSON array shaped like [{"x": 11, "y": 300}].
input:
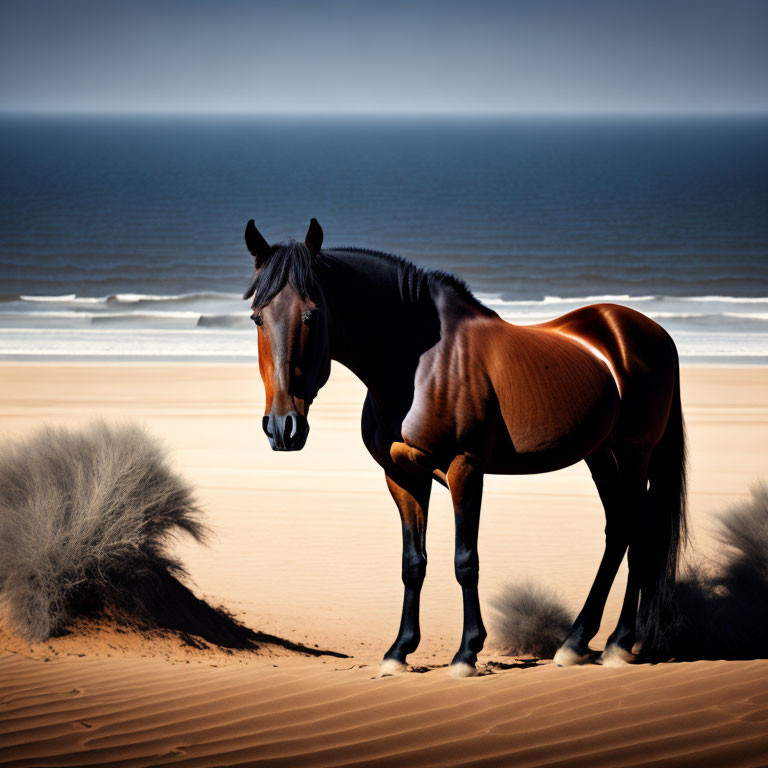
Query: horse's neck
[{"x": 379, "y": 335}]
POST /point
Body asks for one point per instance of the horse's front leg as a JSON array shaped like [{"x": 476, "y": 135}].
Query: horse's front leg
[
  {"x": 466, "y": 485},
  {"x": 411, "y": 494}
]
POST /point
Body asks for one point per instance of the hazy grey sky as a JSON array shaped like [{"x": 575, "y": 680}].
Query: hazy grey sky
[{"x": 343, "y": 56}]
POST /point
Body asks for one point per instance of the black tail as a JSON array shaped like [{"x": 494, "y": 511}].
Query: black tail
[{"x": 667, "y": 533}]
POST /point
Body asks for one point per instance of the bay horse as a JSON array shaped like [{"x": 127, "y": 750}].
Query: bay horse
[{"x": 455, "y": 392}]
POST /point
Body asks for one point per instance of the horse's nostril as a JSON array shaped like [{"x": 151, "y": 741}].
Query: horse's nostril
[{"x": 286, "y": 432}]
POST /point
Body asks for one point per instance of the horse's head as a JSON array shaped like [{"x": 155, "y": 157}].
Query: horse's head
[{"x": 289, "y": 310}]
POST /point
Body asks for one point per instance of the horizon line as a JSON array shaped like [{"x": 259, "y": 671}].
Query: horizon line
[{"x": 586, "y": 113}]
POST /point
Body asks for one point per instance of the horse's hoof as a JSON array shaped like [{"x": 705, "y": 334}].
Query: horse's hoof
[
  {"x": 462, "y": 669},
  {"x": 567, "y": 657},
  {"x": 392, "y": 667},
  {"x": 616, "y": 656}
]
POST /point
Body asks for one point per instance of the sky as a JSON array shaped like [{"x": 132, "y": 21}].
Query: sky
[{"x": 366, "y": 56}]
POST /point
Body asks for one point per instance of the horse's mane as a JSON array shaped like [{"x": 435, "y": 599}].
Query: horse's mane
[
  {"x": 289, "y": 262},
  {"x": 293, "y": 262}
]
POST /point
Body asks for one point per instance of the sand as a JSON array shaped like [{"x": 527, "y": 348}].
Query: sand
[{"x": 307, "y": 548}]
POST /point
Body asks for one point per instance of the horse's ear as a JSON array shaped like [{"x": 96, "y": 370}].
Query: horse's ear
[
  {"x": 257, "y": 245},
  {"x": 314, "y": 238}
]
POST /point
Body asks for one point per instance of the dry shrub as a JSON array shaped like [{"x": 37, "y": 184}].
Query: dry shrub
[
  {"x": 723, "y": 606},
  {"x": 83, "y": 515},
  {"x": 529, "y": 620}
]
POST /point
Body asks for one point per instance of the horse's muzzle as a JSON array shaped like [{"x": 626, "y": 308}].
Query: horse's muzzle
[{"x": 286, "y": 432}]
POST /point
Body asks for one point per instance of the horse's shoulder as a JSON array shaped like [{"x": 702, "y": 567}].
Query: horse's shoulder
[{"x": 460, "y": 323}]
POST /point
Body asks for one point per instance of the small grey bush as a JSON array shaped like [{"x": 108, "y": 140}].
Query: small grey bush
[
  {"x": 723, "y": 606},
  {"x": 529, "y": 620},
  {"x": 81, "y": 514},
  {"x": 744, "y": 531}
]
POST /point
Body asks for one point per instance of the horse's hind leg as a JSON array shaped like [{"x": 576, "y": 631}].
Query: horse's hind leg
[
  {"x": 411, "y": 494},
  {"x": 618, "y": 648},
  {"x": 634, "y": 485},
  {"x": 607, "y": 478}
]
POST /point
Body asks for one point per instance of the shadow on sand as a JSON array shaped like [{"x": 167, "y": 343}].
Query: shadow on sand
[{"x": 157, "y": 600}]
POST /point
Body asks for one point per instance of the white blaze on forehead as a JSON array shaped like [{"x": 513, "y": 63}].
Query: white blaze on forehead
[{"x": 598, "y": 354}]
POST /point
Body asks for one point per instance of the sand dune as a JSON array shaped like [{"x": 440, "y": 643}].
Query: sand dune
[
  {"x": 151, "y": 712},
  {"x": 307, "y": 548}
]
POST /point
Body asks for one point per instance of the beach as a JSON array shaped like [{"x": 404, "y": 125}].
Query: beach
[
  {"x": 306, "y": 547},
  {"x": 192, "y": 193}
]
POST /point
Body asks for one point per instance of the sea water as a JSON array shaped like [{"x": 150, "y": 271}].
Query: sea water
[{"x": 122, "y": 237}]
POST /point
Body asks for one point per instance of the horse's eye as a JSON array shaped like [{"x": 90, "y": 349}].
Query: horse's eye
[
  {"x": 256, "y": 317},
  {"x": 307, "y": 315}
]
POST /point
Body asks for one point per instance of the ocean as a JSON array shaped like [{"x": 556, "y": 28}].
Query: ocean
[{"x": 122, "y": 237}]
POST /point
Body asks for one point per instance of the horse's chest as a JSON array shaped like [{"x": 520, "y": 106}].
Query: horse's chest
[{"x": 450, "y": 409}]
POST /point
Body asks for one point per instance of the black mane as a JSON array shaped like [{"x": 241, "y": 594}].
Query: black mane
[
  {"x": 294, "y": 263},
  {"x": 417, "y": 283},
  {"x": 289, "y": 263}
]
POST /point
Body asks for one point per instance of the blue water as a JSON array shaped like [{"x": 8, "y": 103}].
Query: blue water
[{"x": 124, "y": 236}]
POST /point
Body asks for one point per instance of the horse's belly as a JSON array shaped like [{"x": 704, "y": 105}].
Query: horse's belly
[{"x": 505, "y": 460}]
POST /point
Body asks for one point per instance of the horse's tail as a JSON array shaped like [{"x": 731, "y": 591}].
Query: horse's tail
[{"x": 667, "y": 531}]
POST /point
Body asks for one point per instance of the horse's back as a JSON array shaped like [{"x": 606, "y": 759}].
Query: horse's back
[{"x": 628, "y": 340}]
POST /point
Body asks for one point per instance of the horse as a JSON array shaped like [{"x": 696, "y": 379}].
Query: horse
[{"x": 455, "y": 392}]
